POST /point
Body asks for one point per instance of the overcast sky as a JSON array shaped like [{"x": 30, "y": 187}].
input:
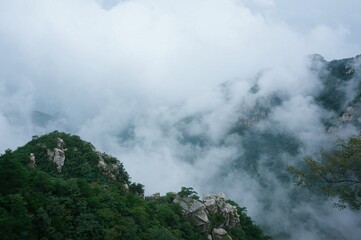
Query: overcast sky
[
  {"x": 135, "y": 77},
  {"x": 82, "y": 57}
]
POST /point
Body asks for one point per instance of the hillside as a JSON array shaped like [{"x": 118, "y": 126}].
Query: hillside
[
  {"x": 59, "y": 187},
  {"x": 242, "y": 141}
]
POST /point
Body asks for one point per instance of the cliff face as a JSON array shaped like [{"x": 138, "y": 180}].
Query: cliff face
[
  {"x": 60, "y": 187},
  {"x": 212, "y": 215},
  {"x": 342, "y": 89}
]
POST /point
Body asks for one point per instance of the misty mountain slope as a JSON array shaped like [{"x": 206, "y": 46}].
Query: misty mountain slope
[
  {"x": 218, "y": 95},
  {"x": 336, "y": 76},
  {"x": 91, "y": 197},
  {"x": 342, "y": 91},
  {"x": 271, "y": 148},
  {"x": 82, "y": 160},
  {"x": 272, "y": 139},
  {"x": 240, "y": 138},
  {"x": 339, "y": 99}
]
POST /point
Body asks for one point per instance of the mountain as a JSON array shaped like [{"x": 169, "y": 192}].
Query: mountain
[
  {"x": 58, "y": 186},
  {"x": 251, "y": 130},
  {"x": 239, "y": 139},
  {"x": 278, "y": 131},
  {"x": 342, "y": 91}
]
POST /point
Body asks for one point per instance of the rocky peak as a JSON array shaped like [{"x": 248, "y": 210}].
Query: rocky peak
[
  {"x": 70, "y": 157},
  {"x": 212, "y": 215}
]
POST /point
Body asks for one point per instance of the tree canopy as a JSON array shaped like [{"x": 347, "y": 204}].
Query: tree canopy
[
  {"x": 336, "y": 173},
  {"x": 85, "y": 202}
]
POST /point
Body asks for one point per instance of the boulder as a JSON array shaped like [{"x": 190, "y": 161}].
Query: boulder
[
  {"x": 58, "y": 155},
  {"x": 59, "y": 158},
  {"x": 195, "y": 209},
  {"x": 211, "y": 207},
  {"x": 220, "y": 234},
  {"x": 217, "y": 205},
  {"x": 32, "y": 162},
  {"x": 108, "y": 169}
]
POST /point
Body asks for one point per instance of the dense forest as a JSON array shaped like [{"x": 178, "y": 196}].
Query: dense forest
[{"x": 91, "y": 196}]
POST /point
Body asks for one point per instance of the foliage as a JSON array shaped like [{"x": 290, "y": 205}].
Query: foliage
[
  {"x": 336, "y": 173},
  {"x": 335, "y": 76},
  {"x": 188, "y": 192},
  {"x": 247, "y": 229},
  {"x": 81, "y": 202}
]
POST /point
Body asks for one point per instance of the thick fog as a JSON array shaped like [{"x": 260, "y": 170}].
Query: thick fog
[{"x": 168, "y": 86}]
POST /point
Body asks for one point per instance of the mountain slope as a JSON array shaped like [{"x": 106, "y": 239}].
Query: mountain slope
[{"x": 90, "y": 196}]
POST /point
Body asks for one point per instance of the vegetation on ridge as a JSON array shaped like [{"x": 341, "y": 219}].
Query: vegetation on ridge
[
  {"x": 86, "y": 202},
  {"x": 336, "y": 173}
]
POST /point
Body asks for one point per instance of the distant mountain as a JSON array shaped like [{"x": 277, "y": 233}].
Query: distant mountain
[
  {"x": 240, "y": 143},
  {"x": 267, "y": 128},
  {"x": 342, "y": 91},
  {"x": 58, "y": 186}
]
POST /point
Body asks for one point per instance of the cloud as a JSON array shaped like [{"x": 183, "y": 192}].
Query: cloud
[{"x": 162, "y": 84}]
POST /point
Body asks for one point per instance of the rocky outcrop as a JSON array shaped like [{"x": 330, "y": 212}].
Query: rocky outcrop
[
  {"x": 211, "y": 207},
  {"x": 61, "y": 152},
  {"x": 196, "y": 210},
  {"x": 32, "y": 162},
  {"x": 108, "y": 169},
  {"x": 347, "y": 116},
  {"x": 217, "y": 205},
  {"x": 58, "y": 155},
  {"x": 220, "y": 234},
  {"x": 351, "y": 115}
]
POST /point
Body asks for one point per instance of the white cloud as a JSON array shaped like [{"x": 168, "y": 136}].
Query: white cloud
[{"x": 150, "y": 70}]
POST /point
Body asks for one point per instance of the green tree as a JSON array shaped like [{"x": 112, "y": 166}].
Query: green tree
[
  {"x": 13, "y": 175},
  {"x": 15, "y": 220},
  {"x": 188, "y": 192},
  {"x": 161, "y": 234},
  {"x": 83, "y": 202},
  {"x": 336, "y": 173}
]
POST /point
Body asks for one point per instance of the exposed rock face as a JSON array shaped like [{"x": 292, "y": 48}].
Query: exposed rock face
[
  {"x": 32, "y": 160},
  {"x": 216, "y": 204},
  {"x": 212, "y": 205},
  {"x": 349, "y": 115},
  {"x": 197, "y": 210},
  {"x": 59, "y": 155},
  {"x": 59, "y": 158},
  {"x": 341, "y": 93},
  {"x": 220, "y": 234},
  {"x": 69, "y": 152},
  {"x": 108, "y": 169}
]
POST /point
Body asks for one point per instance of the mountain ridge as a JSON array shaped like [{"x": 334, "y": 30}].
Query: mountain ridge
[{"x": 92, "y": 197}]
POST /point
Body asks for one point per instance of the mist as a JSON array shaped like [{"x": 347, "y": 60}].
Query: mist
[{"x": 166, "y": 86}]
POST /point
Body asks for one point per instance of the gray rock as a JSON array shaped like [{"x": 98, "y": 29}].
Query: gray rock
[
  {"x": 220, "y": 234},
  {"x": 59, "y": 158},
  {"x": 32, "y": 160},
  {"x": 219, "y": 231},
  {"x": 195, "y": 209},
  {"x": 202, "y": 211},
  {"x": 108, "y": 169},
  {"x": 216, "y": 204}
]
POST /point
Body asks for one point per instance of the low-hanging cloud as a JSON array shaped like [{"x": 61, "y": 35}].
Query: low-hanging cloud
[{"x": 162, "y": 84}]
